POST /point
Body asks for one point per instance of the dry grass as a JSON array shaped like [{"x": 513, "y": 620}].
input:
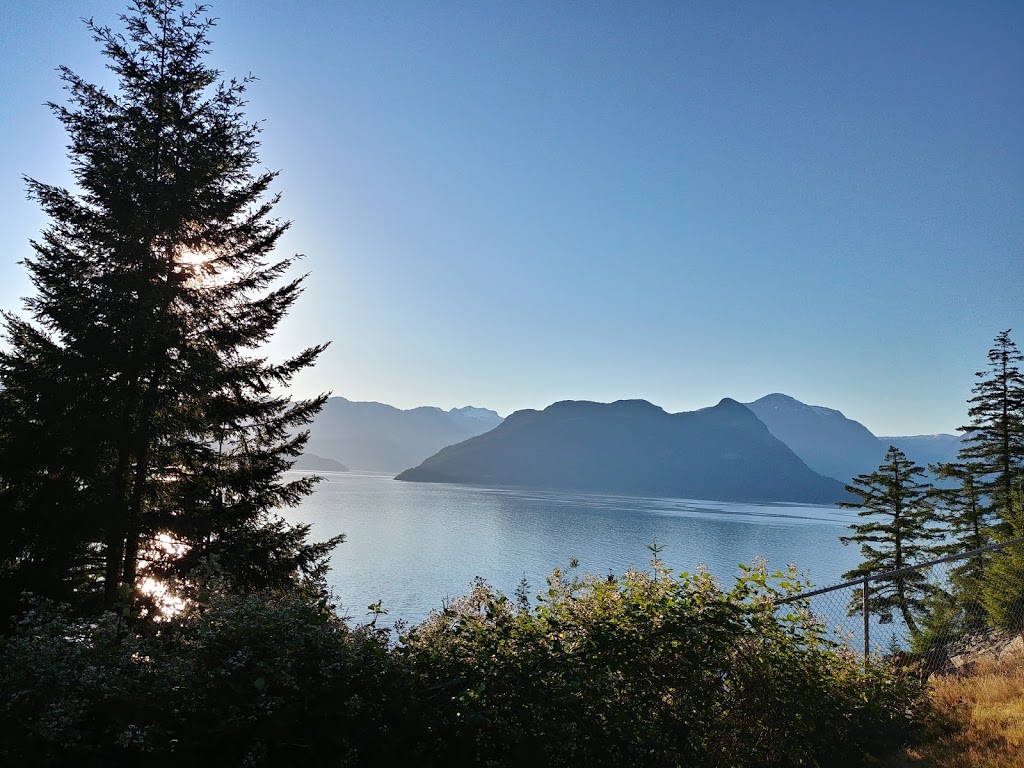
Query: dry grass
[{"x": 977, "y": 721}]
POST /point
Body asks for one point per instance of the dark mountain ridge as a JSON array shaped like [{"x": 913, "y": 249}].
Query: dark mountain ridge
[{"x": 632, "y": 447}]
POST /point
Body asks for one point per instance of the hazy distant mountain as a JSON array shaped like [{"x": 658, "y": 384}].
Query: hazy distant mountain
[
  {"x": 927, "y": 449},
  {"x": 382, "y": 438},
  {"x": 314, "y": 463},
  {"x": 480, "y": 414},
  {"x": 827, "y": 441},
  {"x": 633, "y": 447}
]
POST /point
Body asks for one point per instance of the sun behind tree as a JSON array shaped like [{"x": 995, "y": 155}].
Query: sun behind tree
[{"x": 135, "y": 407}]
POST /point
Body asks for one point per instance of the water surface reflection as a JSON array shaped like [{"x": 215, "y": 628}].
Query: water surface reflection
[{"x": 414, "y": 544}]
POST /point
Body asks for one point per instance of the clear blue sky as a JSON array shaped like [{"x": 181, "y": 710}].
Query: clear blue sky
[{"x": 509, "y": 204}]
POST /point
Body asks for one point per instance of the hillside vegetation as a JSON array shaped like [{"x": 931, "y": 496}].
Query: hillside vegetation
[{"x": 646, "y": 669}]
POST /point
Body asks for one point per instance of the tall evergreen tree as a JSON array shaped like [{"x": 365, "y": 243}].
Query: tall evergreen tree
[
  {"x": 142, "y": 432},
  {"x": 898, "y": 533},
  {"x": 1003, "y": 585},
  {"x": 994, "y": 444},
  {"x": 961, "y": 507}
]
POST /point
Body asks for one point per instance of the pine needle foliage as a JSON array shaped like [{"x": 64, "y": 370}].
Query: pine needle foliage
[
  {"x": 1003, "y": 582},
  {"x": 141, "y": 431},
  {"x": 898, "y": 532},
  {"x": 968, "y": 520},
  {"x": 994, "y": 443}
]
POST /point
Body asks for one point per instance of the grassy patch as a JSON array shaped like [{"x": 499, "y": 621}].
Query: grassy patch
[{"x": 977, "y": 720}]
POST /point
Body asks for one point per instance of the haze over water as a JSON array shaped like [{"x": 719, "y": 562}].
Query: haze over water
[{"x": 412, "y": 545}]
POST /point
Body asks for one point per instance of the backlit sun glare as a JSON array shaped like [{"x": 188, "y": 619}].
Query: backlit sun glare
[
  {"x": 166, "y": 602},
  {"x": 196, "y": 265},
  {"x": 191, "y": 259}
]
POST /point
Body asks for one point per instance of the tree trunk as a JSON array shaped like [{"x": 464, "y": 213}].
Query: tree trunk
[{"x": 904, "y": 608}]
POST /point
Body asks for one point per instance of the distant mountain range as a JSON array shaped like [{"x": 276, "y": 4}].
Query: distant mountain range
[
  {"x": 632, "y": 447},
  {"x": 833, "y": 445},
  {"x": 312, "y": 462},
  {"x": 927, "y": 449},
  {"x": 729, "y": 452},
  {"x": 382, "y": 438}
]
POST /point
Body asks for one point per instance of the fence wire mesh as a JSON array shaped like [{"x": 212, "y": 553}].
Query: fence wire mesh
[{"x": 942, "y": 616}]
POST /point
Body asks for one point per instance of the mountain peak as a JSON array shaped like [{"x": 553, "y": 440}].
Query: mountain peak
[
  {"x": 827, "y": 440},
  {"x": 637, "y": 405},
  {"x": 481, "y": 414},
  {"x": 786, "y": 402},
  {"x": 590, "y": 406},
  {"x": 728, "y": 402},
  {"x": 778, "y": 397},
  {"x": 633, "y": 447}
]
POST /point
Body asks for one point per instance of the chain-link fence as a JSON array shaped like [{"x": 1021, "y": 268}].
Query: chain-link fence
[{"x": 942, "y": 615}]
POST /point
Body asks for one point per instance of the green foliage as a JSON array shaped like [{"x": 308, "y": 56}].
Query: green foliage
[
  {"x": 994, "y": 444},
  {"x": 985, "y": 504},
  {"x": 968, "y": 522},
  {"x": 945, "y": 618},
  {"x": 646, "y": 669},
  {"x": 1003, "y": 592},
  {"x": 1003, "y": 583},
  {"x": 271, "y": 679},
  {"x": 898, "y": 533},
  {"x": 982, "y": 505}
]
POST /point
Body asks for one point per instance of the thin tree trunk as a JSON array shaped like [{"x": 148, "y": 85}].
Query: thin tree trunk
[
  {"x": 901, "y": 595},
  {"x": 114, "y": 557},
  {"x": 133, "y": 521},
  {"x": 116, "y": 529},
  {"x": 114, "y": 535}
]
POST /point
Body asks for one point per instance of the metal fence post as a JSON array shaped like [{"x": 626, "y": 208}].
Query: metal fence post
[{"x": 864, "y": 605}]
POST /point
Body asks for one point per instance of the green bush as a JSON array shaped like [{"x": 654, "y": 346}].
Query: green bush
[
  {"x": 1003, "y": 582},
  {"x": 1003, "y": 591},
  {"x": 646, "y": 669},
  {"x": 649, "y": 669},
  {"x": 268, "y": 679},
  {"x": 68, "y": 694}
]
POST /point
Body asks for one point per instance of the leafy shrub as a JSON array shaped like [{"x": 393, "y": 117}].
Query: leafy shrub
[
  {"x": 1003, "y": 591},
  {"x": 1003, "y": 583},
  {"x": 67, "y": 693},
  {"x": 267, "y": 679},
  {"x": 649, "y": 669}
]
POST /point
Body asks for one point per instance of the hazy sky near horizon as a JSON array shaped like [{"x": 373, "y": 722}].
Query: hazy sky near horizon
[{"x": 506, "y": 205}]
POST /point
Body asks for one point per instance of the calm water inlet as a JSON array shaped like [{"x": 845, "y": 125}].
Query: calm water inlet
[{"x": 412, "y": 545}]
